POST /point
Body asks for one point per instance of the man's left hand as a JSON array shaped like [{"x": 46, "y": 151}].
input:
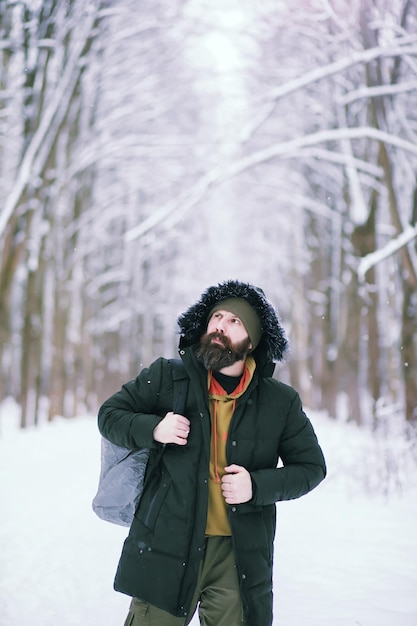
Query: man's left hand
[{"x": 236, "y": 485}]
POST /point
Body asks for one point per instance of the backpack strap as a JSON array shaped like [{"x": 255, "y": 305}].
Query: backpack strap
[{"x": 181, "y": 381}]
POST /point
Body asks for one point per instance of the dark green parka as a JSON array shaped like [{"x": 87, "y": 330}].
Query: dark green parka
[{"x": 161, "y": 555}]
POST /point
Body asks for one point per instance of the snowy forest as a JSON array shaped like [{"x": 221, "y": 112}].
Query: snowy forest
[{"x": 150, "y": 149}]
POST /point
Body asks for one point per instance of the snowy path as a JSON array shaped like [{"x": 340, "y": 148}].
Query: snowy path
[{"x": 341, "y": 560}]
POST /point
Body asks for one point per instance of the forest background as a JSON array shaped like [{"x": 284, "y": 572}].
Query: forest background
[{"x": 150, "y": 149}]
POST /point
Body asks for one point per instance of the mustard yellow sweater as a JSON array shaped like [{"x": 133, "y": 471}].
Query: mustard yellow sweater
[{"x": 222, "y": 406}]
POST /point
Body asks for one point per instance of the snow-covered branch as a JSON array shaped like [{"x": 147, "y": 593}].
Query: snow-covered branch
[
  {"x": 31, "y": 163},
  {"x": 286, "y": 148},
  {"x": 372, "y": 259},
  {"x": 406, "y": 46},
  {"x": 379, "y": 91}
]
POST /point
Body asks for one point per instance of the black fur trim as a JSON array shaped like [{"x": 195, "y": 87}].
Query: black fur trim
[{"x": 193, "y": 322}]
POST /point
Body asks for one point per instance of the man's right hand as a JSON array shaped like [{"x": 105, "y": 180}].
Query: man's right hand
[{"x": 173, "y": 428}]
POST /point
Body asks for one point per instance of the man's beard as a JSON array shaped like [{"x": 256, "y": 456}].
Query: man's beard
[{"x": 215, "y": 356}]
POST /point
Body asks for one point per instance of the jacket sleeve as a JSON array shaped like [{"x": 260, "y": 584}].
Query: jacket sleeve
[
  {"x": 303, "y": 468},
  {"x": 129, "y": 417}
]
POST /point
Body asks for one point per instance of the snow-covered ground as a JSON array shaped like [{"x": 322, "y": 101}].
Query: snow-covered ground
[{"x": 346, "y": 554}]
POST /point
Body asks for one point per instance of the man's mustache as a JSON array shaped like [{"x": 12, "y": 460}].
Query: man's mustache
[{"x": 224, "y": 341}]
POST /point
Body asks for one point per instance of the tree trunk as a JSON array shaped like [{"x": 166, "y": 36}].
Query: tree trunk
[
  {"x": 59, "y": 343},
  {"x": 31, "y": 351},
  {"x": 10, "y": 256},
  {"x": 347, "y": 366},
  {"x": 409, "y": 338}
]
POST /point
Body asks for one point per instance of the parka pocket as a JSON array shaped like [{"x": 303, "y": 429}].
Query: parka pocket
[
  {"x": 172, "y": 535},
  {"x": 149, "y": 509},
  {"x": 255, "y": 535},
  {"x": 160, "y": 522}
]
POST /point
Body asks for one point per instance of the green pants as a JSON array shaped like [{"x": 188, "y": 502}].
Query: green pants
[{"x": 217, "y": 594}]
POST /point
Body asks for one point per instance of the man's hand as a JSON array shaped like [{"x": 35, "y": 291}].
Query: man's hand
[
  {"x": 173, "y": 428},
  {"x": 236, "y": 485}
]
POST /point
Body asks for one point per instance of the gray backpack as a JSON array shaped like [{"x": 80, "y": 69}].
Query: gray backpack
[{"x": 122, "y": 470}]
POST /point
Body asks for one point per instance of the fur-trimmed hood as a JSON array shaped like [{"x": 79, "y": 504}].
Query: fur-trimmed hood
[{"x": 193, "y": 322}]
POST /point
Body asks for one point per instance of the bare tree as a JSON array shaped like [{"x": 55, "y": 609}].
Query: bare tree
[{"x": 52, "y": 45}]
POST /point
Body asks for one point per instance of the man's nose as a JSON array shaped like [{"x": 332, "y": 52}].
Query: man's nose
[{"x": 220, "y": 326}]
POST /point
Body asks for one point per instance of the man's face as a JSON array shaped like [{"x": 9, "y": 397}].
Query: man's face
[
  {"x": 225, "y": 342},
  {"x": 227, "y": 324}
]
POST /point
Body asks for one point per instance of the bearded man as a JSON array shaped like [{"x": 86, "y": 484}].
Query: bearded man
[{"x": 203, "y": 532}]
